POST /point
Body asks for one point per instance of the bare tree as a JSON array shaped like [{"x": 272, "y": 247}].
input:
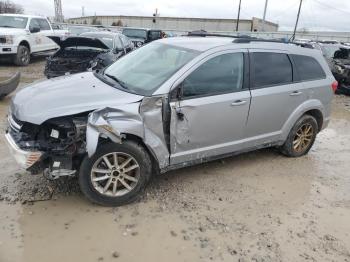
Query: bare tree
[
  {"x": 118, "y": 23},
  {"x": 95, "y": 21},
  {"x": 10, "y": 7}
]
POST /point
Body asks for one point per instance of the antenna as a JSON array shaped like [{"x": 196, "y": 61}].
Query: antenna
[{"x": 238, "y": 14}]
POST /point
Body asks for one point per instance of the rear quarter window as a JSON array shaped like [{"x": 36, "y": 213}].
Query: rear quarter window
[{"x": 308, "y": 68}]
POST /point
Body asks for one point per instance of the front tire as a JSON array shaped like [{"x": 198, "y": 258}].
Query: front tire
[
  {"x": 301, "y": 137},
  {"x": 22, "y": 58},
  {"x": 116, "y": 174}
]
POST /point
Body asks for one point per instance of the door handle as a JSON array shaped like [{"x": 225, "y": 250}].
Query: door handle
[
  {"x": 296, "y": 93},
  {"x": 238, "y": 102}
]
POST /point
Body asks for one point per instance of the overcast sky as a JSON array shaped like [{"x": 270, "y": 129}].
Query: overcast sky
[{"x": 315, "y": 14}]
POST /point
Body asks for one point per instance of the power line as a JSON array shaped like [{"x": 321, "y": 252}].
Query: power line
[
  {"x": 286, "y": 10},
  {"x": 331, "y": 7}
]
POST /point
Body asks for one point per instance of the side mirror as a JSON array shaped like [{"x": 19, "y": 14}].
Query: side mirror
[{"x": 34, "y": 29}]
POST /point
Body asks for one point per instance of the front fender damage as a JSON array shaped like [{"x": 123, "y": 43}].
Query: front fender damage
[{"x": 142, "y": 119}]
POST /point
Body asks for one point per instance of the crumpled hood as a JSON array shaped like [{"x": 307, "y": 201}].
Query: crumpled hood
[
  {"x": 12, "y": 31},
  {"x": 78, "y": 41},
  {"x": 66, "y": 95}
]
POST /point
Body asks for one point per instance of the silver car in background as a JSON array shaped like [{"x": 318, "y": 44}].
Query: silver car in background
[{"x": 173, "y": 103}]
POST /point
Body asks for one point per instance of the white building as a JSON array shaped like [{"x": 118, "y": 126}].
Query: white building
[{"x": 179, "y": 23}]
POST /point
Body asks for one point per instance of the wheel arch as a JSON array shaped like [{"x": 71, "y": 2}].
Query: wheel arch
[
  {"x": 317, "y": 114},
  {"x": 25, "y": 43},
  {"x": 311, "y": 107},
  {"x": 139, "y": 140}
]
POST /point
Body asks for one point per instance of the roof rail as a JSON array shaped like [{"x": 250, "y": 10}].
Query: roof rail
[
  {"x": 241, "y": 39},
  {"x": 251, "y": 39},
  {"x": 204, "y": 34}
]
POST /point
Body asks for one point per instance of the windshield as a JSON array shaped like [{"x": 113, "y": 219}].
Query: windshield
[
  {"x": 80, "y": 30},
  {"x": 13, "y": 21},
  {"x": 145, "y": 69},
  {"x": 135, "y": 33}
]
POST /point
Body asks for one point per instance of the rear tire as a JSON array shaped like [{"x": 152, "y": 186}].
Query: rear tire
[
  {"x": 301, "y": 137},
  {"x": 124, "y": 186},
  {"x": 22, "y": 58}
]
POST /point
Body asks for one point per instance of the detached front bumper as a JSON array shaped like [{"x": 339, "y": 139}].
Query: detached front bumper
[{"x": 24, "y": 158}]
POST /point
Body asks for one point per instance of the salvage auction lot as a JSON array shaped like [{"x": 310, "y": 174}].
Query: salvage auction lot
[{"x": 259, "y": 205}]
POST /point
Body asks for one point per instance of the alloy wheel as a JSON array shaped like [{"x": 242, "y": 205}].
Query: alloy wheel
[
  {"x": 303, "y": 137},
  {"x": 115, "y": 174},
  {"x": 24, "y": 56}
]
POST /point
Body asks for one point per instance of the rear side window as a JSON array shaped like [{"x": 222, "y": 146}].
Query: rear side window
[
  {"x": 269, "y": 69},
  {"x": 308, "y": 68}
]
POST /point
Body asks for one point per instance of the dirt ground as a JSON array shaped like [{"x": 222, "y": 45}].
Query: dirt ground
[{"x": 258, "y": 206}]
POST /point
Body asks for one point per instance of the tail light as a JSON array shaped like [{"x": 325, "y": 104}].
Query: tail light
[{"x": 335, "y": 86}]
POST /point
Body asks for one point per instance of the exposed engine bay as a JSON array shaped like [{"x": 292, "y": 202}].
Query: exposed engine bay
[
  {"x": 61, "y": 140},
  {"x": 73, "y": 61},
  {"x": 78, "y": 54},
  {"x": 341, "y": 65}
]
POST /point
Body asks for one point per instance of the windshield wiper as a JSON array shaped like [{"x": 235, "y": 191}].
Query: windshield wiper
[{"x": 121, "y": 83}]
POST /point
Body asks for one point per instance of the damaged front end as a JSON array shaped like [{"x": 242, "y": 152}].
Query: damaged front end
[
  {"x": 57, "y": 146},
  {"x": 340, "y": 67},
  {"x": 54, "y": 148}
]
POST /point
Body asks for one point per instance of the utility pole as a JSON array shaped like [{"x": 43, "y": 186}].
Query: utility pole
[
  {"x": 264, "y": 16},
  {"x": 83, "y": 11},
  {"x": 239, "y": 12},
  {"x": 58, "y": 11},
  {"x": 296, "y": 22}
]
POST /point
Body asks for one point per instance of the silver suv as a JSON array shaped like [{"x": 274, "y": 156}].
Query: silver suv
[{"x": 170, "y": 104}]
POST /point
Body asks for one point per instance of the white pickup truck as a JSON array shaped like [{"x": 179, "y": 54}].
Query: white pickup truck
[{"x": 24, "y": 35}]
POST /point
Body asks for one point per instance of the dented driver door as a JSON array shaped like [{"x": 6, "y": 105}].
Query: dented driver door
[{"x": 209, "y": 114}]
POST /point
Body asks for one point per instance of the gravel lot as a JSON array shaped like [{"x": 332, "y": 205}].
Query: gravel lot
[{"x": 258, "y": 206}]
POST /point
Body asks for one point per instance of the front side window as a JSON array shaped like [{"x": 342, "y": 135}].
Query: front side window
[
  {"x": 43, "y": 24},
  {"x": 270, "y": 69},
  {"x": 219, "y": 75},
  {"x": 308, "y": 68},
  {"x": 13, "y": 21},
  {"x": 33, "y": 23},
  {"x": 145, "y": 69}
]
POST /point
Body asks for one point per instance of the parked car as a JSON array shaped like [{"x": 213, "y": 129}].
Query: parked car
[
  {"x": 173, "y": 103},
  {"x": 89, "y": 51},
  {"x": 141, "y": 36},
  {"x": 338, "y": 59},
  {"x": 78, "y": 30},
  {"x": 24, "y": 35}
]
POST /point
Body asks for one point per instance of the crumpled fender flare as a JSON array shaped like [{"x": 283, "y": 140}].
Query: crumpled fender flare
[{"x": 143, "y": 120}]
